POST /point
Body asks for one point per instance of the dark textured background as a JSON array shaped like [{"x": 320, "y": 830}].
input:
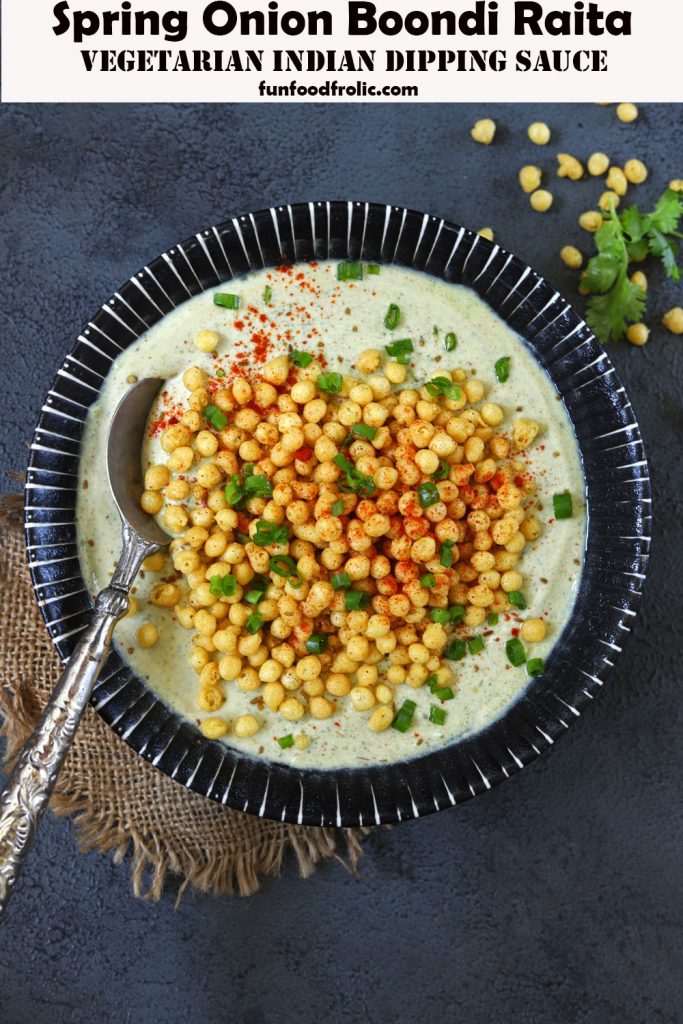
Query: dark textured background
[{"x": 555, "y": 898}]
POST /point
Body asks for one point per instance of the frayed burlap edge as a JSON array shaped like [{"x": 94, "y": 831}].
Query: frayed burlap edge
[{"x": 237, "y": 852}]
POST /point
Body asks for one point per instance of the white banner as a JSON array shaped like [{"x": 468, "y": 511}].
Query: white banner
[{"x": 334, "y": 50}]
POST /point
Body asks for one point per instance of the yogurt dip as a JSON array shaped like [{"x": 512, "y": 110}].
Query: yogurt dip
[{"x": 309, "y": 309}]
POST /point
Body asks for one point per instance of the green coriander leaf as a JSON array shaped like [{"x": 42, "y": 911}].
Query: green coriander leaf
[
  {"x": 667, "y": 252},
  {"x": 668, "y": 212},
  {"x": 601, "y": 273}
]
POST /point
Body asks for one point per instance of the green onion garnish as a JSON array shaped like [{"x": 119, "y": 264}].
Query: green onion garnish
[
  {"x": 357, "y": 482},
  {"x": 428, "y": 495},
  {"x": 433, "y": 682},
  {"x": 437, "y": 715},
  {"x": 286, "y": 741},
  {"x": 443, "y": 386},
  {"x": 535, "y": 666},
  {"x": 502, "y": 368},
  {"x": 223, "y": 586},
  {"x": 475, "y": 644},
  {"x": 447, "y": 616},
  {"x": 356, "y": 599},
  {"x": 216, "y": 418},
  {"x": 562, "y": 505},
  {"x": 330, "y": 382},
  {"x": 373, "y": 268},
  {"x": 269, "y": 533},
  {"x": 220, "y": 373},
  {"x": 338, "y": 507},
  {"x": 267, "y": 294},
  {"x": 404, "y": 716},
  {"x": 445, "y": 693},
  {"x": 317, "y": 643},
  {"x": 393, "y": 317},
  {"x": 369, "y": 433},
  {"x": 349, "y": 271},
  {"x": 340, "y": 580},
  {"x": 456, "y": 650},
  {"x": 252, "y": 486},
  {"x": 284, "y": 565},
  {"x": 492, "y": 618},
  {"x": 428, "y": 580},
  {"x": 226, "y": 300},
  {"x": 515, "y": 652},
  {"x": 443, "y": 472},
  {"x": 446, "y": 557},
  {"x": 450, "y": 342},
  {"x": 301, "y": 359},
  {"x": 400, "y": 350},
  {"x": 254, "y": 623},
  {"x": 516, "y": 598}
]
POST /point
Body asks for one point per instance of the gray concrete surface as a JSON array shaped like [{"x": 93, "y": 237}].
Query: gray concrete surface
[{"x": 555, "y": 899}]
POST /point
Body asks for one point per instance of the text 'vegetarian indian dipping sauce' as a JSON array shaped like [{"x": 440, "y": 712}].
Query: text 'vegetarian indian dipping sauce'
[{"x": 376, "y": 505}]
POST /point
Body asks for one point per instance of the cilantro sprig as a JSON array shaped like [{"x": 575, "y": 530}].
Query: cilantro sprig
[{"x": 614, "y": 300}]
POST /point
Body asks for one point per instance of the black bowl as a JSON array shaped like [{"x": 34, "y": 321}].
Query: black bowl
[{"x": 618, "y": 495}]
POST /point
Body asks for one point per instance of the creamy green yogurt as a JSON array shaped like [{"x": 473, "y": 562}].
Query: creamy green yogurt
[{"x": 309, "y": 309}]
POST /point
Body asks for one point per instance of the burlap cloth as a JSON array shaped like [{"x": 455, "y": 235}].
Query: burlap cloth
[{"x": 119, "y": 803}]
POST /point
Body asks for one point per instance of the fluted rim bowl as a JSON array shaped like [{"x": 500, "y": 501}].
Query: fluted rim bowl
[{"x": 617, "y": 492}]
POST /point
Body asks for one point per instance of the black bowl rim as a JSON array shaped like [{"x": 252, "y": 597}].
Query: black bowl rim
[{"x": 618, "y": 487}]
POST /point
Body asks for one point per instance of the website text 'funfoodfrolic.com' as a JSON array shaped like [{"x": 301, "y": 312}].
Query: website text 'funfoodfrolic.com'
[{"x": 337, "y": 90}]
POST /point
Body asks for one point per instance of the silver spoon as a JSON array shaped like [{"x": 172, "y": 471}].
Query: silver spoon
[{"x": 26, "y": 794}]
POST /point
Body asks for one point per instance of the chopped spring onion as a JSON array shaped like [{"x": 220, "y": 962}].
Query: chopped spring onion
[
  {"x": 562, "y": 505},
  {"x": 317, "y": 643},
  {"x": 362, "y": 430},
  {"x": 437, "y": 715},
  {"x": 393, "y": 317},
  {"x": 492, "y": 619},
  {"x": 433, "y": 682},
  {"x": 373, "y": 268},
  {"x": 301, "y": 359},
  {"x": 254, "y": 623},
  {"x": 443, "y": 386},
  {"x": 350, "y": 271},
  {"x": 515, "y": 652},
  {"x": 286, "y": 741},
  {"x": 456, "y": 650},
  {"x": 252, "y": 486},
  {"x": 535, "y": 666},
  {"x": 443, "y": 472},
  {"x": 267, "y": 294},
  {"x": 517, "y": 599},
  {"x": 356, "y": 599},
  {"x": 340, "y": 580},
  {"x": 502, "y": 368},
  {"x": 357, "y": 482},
  {"x": 404, "y": 716},
  {"x": 284, "y": 565},
  {"x": 428, "y": 495},
  {"x": 450, "y": 342},
  {"x": 223, "y": 586},
  {"x": 338, "y": 507},
  {"x": 226, "y": 300},
  {"x": 475, "y": 644},
  {"x": 269, "y": 533},
  {"x": 330, "y": 382},
  {"x": 445, "y": 693},
  {"x": 428, "y": 580},
  {"x": 400, "y": 350},
  {"x": 216, "y": 418},
  {"x": 446, "y": 558},
  {"x": 220, "y": 373},
  {"x": 447, "y": 616}
]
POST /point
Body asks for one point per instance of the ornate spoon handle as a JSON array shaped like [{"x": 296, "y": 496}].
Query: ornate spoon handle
[
  {"x": 30, "y": 785},
  {"x": 25, "y": 797}
]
